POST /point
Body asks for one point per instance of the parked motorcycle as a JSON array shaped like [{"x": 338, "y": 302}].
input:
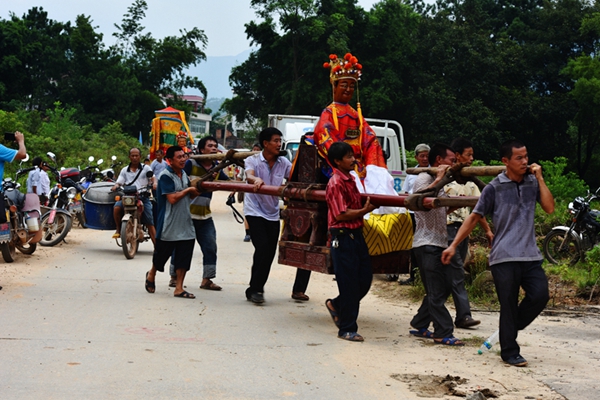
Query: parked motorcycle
[
  {"x": 57, "y": 221},
  {"x": 108, "y": 175},
  {"x": 133, "y": 231},
  {"x": 88, "y": 175},
  {"x": 568, "y": 244},
  {"x": 22, "y": 230},
  {"x": 91, "y": 173}
]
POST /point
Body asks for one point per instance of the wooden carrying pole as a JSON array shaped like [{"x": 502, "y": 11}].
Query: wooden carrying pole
[
  {"x": 466, "y": 171},
  {"x": 379, "y": 200},
  {"x": 238, "y": 155}
]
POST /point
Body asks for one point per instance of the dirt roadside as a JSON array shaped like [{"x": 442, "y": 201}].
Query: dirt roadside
[{"x": 562, "y": 347}]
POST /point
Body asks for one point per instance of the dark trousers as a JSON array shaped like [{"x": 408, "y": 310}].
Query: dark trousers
[
  {"x": 265, "y": 236},
  {"x": 457, "y": 264},
  {"x": 413, "y": 260},
  {"x": 353, "y": 274},
  {"x": 438, "y": 284},
  {"x": 514, "y": 316}
]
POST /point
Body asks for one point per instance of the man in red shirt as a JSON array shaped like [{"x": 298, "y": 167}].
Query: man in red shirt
[{"x": 349, "y": 252}]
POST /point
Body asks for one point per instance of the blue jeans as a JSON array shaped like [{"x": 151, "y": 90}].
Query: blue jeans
[{"x": 206, "y": 236}]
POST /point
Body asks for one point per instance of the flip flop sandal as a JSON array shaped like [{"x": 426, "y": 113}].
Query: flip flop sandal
[
  {"x": 352, "y": 337},
  {"x": 450, "y": 341},
  {"x": 185, "y": 295},
  {"x": 172, "y": 282},
  {"x": 149, "y": 285},
  {"x": 334, "y": 315},
  {"x": 422, "y": 333}
]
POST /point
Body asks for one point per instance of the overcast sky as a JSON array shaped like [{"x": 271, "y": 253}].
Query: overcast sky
[{"x": 222, "y": 20}]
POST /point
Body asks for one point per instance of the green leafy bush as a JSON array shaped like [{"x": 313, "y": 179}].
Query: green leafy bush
[
  {"x": 564, "y": 186},
  {"x": 72, "y": 143}
]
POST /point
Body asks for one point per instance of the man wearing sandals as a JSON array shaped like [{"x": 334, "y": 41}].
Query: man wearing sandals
[
  {"x": 349, "y": 252},
  {"x": 175, "y": 231},
  {"x": 431, "y": 238},
  {"x": 204, "y": 226},
  {"x": 515, "y": 259}
]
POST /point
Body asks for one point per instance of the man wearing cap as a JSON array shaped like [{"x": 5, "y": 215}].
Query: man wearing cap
[
  {"x": 422, "y": 157},
  {"x": 340, "y": 122}
]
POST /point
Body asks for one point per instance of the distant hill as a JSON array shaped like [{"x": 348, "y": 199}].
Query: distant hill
[
  {"x": 214, "y": 72},
  {"x": 214, "y": 103}
]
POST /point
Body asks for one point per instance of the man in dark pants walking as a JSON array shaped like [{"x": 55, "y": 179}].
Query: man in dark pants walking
[
  {"x": 349, "y": 252},
  {"x": 515, "y": 259},
  {"x": 431, "y": 238},
  {"x": 463, "y": 150},
  {"x": 262, "y": 214}
]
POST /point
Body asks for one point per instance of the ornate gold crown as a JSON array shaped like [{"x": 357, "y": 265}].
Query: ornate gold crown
[{"x": 343, "y": 68}]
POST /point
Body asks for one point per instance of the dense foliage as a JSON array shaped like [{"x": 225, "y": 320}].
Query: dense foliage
[
  {"x": 484, "y": 69},
  {"x": 488, "y": 70},
  {"x": 45, "y": 61}
]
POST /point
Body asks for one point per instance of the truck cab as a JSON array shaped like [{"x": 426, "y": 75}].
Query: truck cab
[{"x": 389, "y": 133}]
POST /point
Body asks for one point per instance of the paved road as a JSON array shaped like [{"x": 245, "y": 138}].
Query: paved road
[
  {"x": 83, "y": 326},
  {"x": 78, "y": 323}
]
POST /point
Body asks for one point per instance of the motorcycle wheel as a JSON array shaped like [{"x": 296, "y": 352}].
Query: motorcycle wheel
[
  {"x": 56, "y": 232},
  {"x": 28, "y": 248},
  {"x": 8, "y": 252},
  {"x": 129, "y": 238},
  {"x": 568, "y": 254},
  {"x": 80, "y": 220}
]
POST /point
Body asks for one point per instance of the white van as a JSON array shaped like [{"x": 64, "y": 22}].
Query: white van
[{"x": 389, "y": 133}]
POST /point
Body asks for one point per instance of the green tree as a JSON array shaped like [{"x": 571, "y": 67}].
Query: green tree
[
  {"x": 33, "y": 60},
  {"x": 585, "y": 73},
  {"x": 98, "y": 83}
]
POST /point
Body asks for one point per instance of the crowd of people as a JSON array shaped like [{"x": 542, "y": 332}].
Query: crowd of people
[{"x": 352, "y": 154}]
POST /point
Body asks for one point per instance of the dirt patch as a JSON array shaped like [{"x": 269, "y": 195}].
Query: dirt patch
[{"x": 439, "y": 386}]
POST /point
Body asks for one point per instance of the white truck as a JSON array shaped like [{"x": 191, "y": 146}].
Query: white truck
[{"x": 389, "y": 133}]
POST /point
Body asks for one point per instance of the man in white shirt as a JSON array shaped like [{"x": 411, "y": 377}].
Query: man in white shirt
[
  {"x": 135, "y": 174},
  {"x": 43, "y": 188},
  {"x": 34, "y": 177},
  {"x": 422, "y": 157}
]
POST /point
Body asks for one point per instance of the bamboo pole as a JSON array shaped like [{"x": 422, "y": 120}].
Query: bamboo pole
[
  {"x": 379, "y": 200},
  {"x": 487, "y": 170}
]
